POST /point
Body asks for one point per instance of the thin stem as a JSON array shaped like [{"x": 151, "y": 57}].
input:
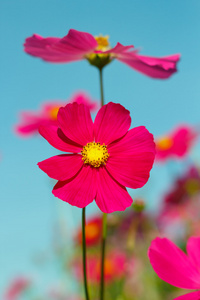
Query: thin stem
[
  {"x": 104, "y": 229},
  {"x": 84, "y": 255},
  {"x": 104, "y": 232},
  {"x": 101, "y": 86}
]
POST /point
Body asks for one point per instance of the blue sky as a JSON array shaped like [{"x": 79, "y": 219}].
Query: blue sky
[{"x": 28, "y": 209}]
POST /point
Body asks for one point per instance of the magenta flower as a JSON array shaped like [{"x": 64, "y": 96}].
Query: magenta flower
[
  {"x": 47, "y": 115},
  {"x": 105, "y": 157},
  {"x": 77, "y": 45},
  {"x": 175, "y": 144},
  {"x": 175, "y": 267}
]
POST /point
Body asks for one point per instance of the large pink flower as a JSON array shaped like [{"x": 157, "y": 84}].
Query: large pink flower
[
  {"x": 175, "y": 267},
  {"x": 77, "y": 45},
  {"x": 47, "y": 115},
  {"x": 105, "y": 157},
  {"x": 175, "y": 144}
]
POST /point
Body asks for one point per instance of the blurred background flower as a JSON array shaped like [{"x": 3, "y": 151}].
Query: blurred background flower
[
  {"x": 47, "y": 115},
  {"x": 176, "y": 144}
]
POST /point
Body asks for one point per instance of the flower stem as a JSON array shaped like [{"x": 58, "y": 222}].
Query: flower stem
[
  {"x": 84, "y": 255},
  {"x": 104, "y": 231},
  {"x": 101, "y": 86}
]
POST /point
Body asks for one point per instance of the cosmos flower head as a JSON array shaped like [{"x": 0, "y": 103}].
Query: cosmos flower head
[
  {"x": 47, "y": 114},
  {"x": 78, "y": 45},
  {"x": 106, "y": 156},
  {"x": 93, "y": 232},
  {"x": 176, "y": 144},
  {"x": 172, "y": 265}
]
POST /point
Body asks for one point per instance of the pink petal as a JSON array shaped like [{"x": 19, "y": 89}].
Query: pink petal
[
  {"x": 131, "y": 170},
  {"x": 136, "y": 140},
  {"x": 77, "y": 42},
  {"x": 31, "y": 125},
  {"x": 80, "y": 190},
  {"x": 184, "y": 137},
  {"x": 111, "y": 123},
  {"x": 62, "y": 167},
  {"x": 74, "y": 46},
  {"x": 27, "y": 130},
  {"x": 131, "y": 158},
  {"x": 111, "y": 196},
  {"x": 172, "y": 265},
  {"x": 36, "y": 45},
  {"x": 193, "y": 250},
  {"x": 161, "y": 68},
  {"x": 76, "y": 123},
  {"x": 190, "y": 296},
  {"x": 118, "y": 49},
  {"x": 57, "y": 139},
  {"x": 83, "y": 98}
]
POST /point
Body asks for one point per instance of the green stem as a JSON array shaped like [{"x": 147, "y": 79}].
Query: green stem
[
  {"x": 101, "y": 86},
  {"x": 84, "y": 255},
  {"x": 104, "y": 231}
]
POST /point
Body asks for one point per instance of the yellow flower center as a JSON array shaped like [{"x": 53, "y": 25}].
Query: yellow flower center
[
  {"x": 95, "y": 154},
  {"x": 101, "y": 59},
  {"x": 103, "y": 43},
  {"x": 91, "y": 231},
  {"x": 109, "y": 267},
  {"x": 164, "y": 143},
  {"x": 54, "y": 112}
]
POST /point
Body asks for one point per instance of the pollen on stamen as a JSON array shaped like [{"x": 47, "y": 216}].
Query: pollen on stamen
[
  {"x": 103, "y": 43},
  {"x": 164, "y": 143},
  {"x": 53, "y": 112},
  {"x": 95, "y": 154}
]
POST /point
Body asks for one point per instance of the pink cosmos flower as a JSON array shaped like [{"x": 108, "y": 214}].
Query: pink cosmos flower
[
  {"x": 77, "y": 45},
  {"x": 175, "y": 144},
  {"x": 105, "y": 157},
  {"x": 47, "y": 115},
  {"x": 175, "y": 267},
  {"x": 16, "y": 288},
  {"x": 115, "y": 267}
]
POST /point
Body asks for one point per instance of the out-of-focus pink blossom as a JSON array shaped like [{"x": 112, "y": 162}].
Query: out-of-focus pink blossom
[
  {"x": 175, "y": 267},
  {"x": 176, "y": 201},
  {"x": 77, "y": 45},
  {"x": 16, "y": 287},
  {"x": 106, "y": 156},
  {"x": 47, "y": 115},
  {"x": 93, "y": 231},
  {"x": 175, "y": 144},
  {"x": 114, "y": 268}
]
